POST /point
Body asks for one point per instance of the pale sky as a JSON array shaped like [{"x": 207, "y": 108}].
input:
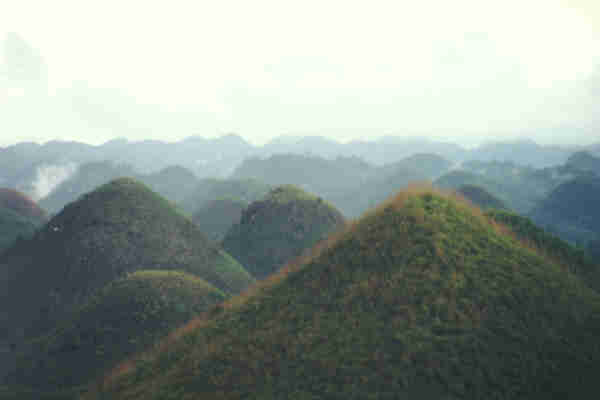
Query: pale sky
[{"x": 459, "y": 70}]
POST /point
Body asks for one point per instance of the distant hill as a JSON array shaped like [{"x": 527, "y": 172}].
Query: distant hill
[
  {"x": 481, "y": 197},
  {"x": 584, "y": 161},
  {"x": 279, "y": 228},
  {"x": 423, "y": 298},
  {"x": 218, "y": 216},
  {"x": 571, "y": 210},
  {"x": 87, "y": 178},
  {"x": 350, "y": 183},
  {"x": 208, "y": 190},
  {"x": 126, "y": 316},
  {"x": 117, "y": 229},
  {"x": 174, "y": 183}
]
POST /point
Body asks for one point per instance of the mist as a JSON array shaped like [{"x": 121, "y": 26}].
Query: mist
[{"x": 346, "y": 71}]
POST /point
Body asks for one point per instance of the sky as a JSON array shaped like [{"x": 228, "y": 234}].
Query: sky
[{"x": 464, "y": 71}]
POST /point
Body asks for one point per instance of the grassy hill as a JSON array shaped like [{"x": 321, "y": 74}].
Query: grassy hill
[
  {"x": 423, "y": 298},
  {"x": 278, "y": 228},
  {"x": 481, "y": 197},
  {"x": 216, "y": 217},
  {"x": 126, "y": 316},
  {"x": 119, "y": 228}
]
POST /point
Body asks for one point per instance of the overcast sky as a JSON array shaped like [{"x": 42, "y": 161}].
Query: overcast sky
[{"x": 458, "y": 70}]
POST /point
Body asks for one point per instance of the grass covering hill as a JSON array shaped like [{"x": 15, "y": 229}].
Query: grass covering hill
[
  {"x": 278, "y": 228},
  {"x": 423, "y": 298},
  {"x": 216, "y": 217},
  {"x": 125, "y": 317},
  {"x": 573, "y": 259},
  {"x": 119, "y": 228},
  {"x": 481, "y": 197}
]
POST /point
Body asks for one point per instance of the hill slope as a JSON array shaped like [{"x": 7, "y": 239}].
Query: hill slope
[
  {"x": 278, "y": 228},
  {"x": 218, "y": 216},
  {"x": 126, "y": 316},
  {"x": 481, "y": 197},
  {"x": 422, "y": 299},
  {"x": 117, "y": 229},
  {"x": 571, "y": 210}
]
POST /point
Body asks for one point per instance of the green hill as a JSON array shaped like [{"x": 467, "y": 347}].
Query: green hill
[
  {"x": 424, "y": 298},
  {"x": 119, "y": 228},
  {"x": 216, "y": 217},
  {"x": 278, "y": 228},
  {"x": 481, "y": 197},
  {"x": 126, "y": 316}
]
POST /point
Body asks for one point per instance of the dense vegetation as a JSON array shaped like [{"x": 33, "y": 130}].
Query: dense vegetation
[
  {"x": 280, "y": 227},
  {"x": 424, "y": 298},
  {"x": 218, "y": 216},
  {"x": 119, "y": 228},
  {"x": 126, "y": 316}
]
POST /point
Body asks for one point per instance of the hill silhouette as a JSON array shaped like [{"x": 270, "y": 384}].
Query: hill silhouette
[
  {"x": 19, "y": 217},
  {"x": 571, "y": 210},
  {"x": 126, "y": 316},
  {"x": 278, "y": 228},
  {"x": 423, "y": 298},
  {"x": 218, "y": 216},
  {"x": 481, "y": 197},
  {"x": 119, "y": 228}
]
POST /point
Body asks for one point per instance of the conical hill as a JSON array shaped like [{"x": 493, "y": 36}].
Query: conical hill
[
  {"x": 280, "y": 227},
  {"x": 216, "y": 217},
  {"x": 423, "y": 298},
  {"x": 119, "y": 228},
  {"x": 126, "y": 316},
  {"x": 22, "y": 205}
]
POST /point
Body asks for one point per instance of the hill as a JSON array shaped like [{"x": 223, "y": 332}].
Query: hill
[
  {"x": 22, "y": 205},
  {"x": 218, "y": 216},
  {"x": 481, "y": 197},
  {"x": 208, "y": 190},
  {"x": 278, "y": 228},
  {"x": 584, "y": 161},
  {"x": 126, "y": 316},
  {"x": 87, "y": 178},
  {"x": 424, "y": 298},
  {"x": 19, "y": 217},
  {"x": 571, "y": 210},
  {"x": 119, "y": 228}
]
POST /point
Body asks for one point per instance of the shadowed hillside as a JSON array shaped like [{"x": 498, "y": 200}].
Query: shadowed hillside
[
  {"x": 218, "y": 216},
  {"x": 481, "y": 197},
  {"x": 117, "y": 229},
  {"x": 19, "y": 217},
  {"x": 571, "y": 210},
  {"x": 423, "y": 298},
  {"x": 126, "y": 316},
  {"x": 278, "y": 228}
]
